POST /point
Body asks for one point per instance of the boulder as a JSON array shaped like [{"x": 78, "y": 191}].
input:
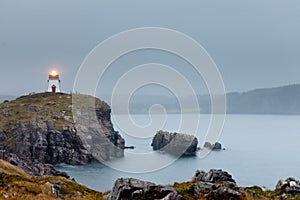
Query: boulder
[
  {"x": 175, "y": 143},
  {"x": 202, "y": 188},
  {"x": 215, "y": 184},
  {"x": 225, "y": 193},
  {"x": 129, "y": 188},
  {"x": 214, "y": 176},
  {"x": 50, "y": 125},
  {"x": 34, "y": 108},
  {"x": 290, "y": 185},
  {"x": 214, "y": 191}
]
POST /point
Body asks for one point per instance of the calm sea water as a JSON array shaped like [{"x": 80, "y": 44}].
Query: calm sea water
[{"x": 260, "y": 150}]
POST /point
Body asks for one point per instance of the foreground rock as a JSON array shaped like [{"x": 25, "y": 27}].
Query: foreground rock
[
  {"x": 214, "y": 176},
  {"x": 39, "y": 130},
  {"x": 290, "y": 185},
  {"x": 175, "y": 143},
  {"x": 214, "y": 184},
  {"x": 129, "y": 188}
]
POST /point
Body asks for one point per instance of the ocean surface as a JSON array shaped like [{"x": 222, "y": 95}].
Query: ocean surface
[{"x": 260, "y": 150}]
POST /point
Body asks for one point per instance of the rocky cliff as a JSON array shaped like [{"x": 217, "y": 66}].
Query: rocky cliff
[
  {"x": 39, "y": 128},
  {"x": 175, "y": 143}
]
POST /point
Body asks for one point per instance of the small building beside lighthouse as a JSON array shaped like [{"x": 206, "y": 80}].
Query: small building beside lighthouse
[{"x": 53, "y": 82}]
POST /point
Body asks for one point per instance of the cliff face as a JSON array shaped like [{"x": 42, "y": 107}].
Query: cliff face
[
  {"x": 39, "y": 128},
  {"x": 37, "y": 142}
]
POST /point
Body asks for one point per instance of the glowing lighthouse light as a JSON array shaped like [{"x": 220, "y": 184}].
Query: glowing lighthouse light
[
  {"x": 53, "y": 82},
  {"x": 54, "y": 73}
]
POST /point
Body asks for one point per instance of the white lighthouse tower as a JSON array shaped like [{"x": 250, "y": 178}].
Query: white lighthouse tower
[{"x": 53, "y": 82}]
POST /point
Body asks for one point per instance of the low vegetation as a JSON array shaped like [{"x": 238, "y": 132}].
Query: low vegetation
[
  {"x": 16, "y": 184},
  {"x": 249, "y": 193},
  {"x": 57, "y": 107}
]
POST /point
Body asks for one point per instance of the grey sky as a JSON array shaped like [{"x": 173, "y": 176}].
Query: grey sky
[{"x": 254, "y": 43}]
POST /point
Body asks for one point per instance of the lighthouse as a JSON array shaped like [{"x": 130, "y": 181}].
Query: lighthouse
[{"x": 53, "y": 82}]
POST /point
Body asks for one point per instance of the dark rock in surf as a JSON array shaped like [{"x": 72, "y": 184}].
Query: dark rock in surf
[
  {"x": 215, "y": 147},
  {"x": 129, "y": 147},
  {"x": 175, "y": 143}
]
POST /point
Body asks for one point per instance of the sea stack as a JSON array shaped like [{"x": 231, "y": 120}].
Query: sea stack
[{"x": 177, "y": 144}]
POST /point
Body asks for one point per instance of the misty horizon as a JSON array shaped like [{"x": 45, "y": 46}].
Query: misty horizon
[{"x": 254, "y": 44}]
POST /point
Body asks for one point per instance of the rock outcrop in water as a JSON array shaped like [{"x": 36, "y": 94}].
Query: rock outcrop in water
[
  {"x": 39, "y": 129},
  {"x": 215, "y": 147},
  {"x": 175, "y": 143}
]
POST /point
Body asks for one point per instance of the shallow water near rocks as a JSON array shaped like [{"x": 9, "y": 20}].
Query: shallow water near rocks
[{"x": 260, "y": 150}]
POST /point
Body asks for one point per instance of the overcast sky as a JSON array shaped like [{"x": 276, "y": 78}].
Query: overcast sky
[{"x": 255, "y": 43}]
